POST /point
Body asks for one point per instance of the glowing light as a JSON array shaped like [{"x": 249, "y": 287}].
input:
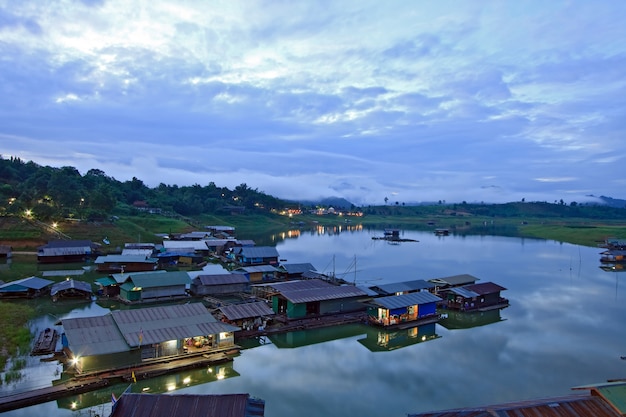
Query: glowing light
[
  {"x": 187, "y": 380},
  {"x": 73, "y": 405},
  {"x": 54, "y": 225},
  {"x": 75, "y": 360},
  {"x": 171, "y": 387}
]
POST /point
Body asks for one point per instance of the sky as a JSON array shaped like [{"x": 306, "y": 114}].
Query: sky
[{"x": 409, "y": 100}]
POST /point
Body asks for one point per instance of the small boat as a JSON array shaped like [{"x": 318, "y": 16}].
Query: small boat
[{"x": 46, "y": 343}]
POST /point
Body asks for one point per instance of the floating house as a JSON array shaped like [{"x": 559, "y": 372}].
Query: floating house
[
  {"x": 194, "y": 405},
  {"x": 258, "y": 273},
  {"x": 602, "y": 400},
  {"x": 71, "y": 289},
  {"x": 295, "y": 270},
  {"x": 405, "y": 287},
  {"x": 125, "y": 263},
  {"x": 25, "y": 288},
  {"x": 126, "y": 338},
  {"x": 476, "y": 297},
  {"x": 297, "y": 299},
  {"x": 255, "y": 255},
  {"x": 186, "y": 246},
  {"x": 247, "y": 316},
  {"x": 219, "y": 284},
  {"x": 612, "y": 256},
  {"x": 452, "y": 281},
  {"x": 61, "y": 251},
  {"x": 110, "y": 286},
  {"x": 6, "y": 251},
  {"x": 403, "y": 310},
  {"x": 155, "y": 286}
]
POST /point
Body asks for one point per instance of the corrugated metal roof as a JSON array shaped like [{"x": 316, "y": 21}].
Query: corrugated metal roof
[
  {"x": 68, "y": 244},
  {"x": 300, "y": 285},
  {"x": 485, "y": 288},
  {"x": 222, "y": 279},
  {"x": 257, "y": 268},
  {"x": 455, "y": 280},
  {"x": 70, "y": 283},
  {"x": 99, "y": 335},
  {"x": 247, "y": 310},
  {"x": 160, "y": 324},
  {"x": 146, "y": 253},
  {"x": 122, "y": 277},
  {"x": 298, "y": 268},
  {"x": 332, "y": 292},
  {"x": 258, "y": 251},
  {"x": 34, "y": 283},
  {"x": 123, "y": 258},
  {"x": 463, "y": 292},
  {"x": 153, "y": 405},
  {"x": 405, "y": 300},
  {"x": 613, "y": 392},
  {"x": 161, "y": 279},
  {"x": 185, "y": 244},
  {"x": 415, "y": 285},
  {"x": 570, "y": 406}
]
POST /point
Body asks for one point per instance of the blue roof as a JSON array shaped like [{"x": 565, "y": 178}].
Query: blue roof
[
  {"x": 405, "y": 286},
  {"x": 33, "y": 283},
  {"x": 405, "y": 300}
]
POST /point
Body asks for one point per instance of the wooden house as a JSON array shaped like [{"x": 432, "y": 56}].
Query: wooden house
[
  {"x": 61, "y": 251},
  {"x": 71, "y": 289},
  {"x": 194, "y": 405},
  {"x": 155, "y": 286},
  {"x": 403, "y": 310},
  {"x": 288, "y": 271},
  {"x": 601, "y": 400},
  {"x": 255, "y": 255},
  {"x": 126, "y": 338},
  {"x": 258, "y": 273},
  {"x": 247, "y": 316},
  {"x": 219, "y": 284},
  {"x": 125, "y": 263},
  {"x": 404, "y": 287},
  {"x": 25, "y": 288},
  {"x": 221, "y": 231},
  {"x": 297, "y": 299},
  {"x": 479, "y": 297},
  {"x": 186, "y": 246}
]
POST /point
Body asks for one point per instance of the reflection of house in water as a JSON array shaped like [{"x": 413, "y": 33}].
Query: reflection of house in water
[
  {"x": 452, "y": 319},
  {"x": 313, "y": 336},
  {"x": 156, "y": 385},
  {"x": 381, "y": 340}
]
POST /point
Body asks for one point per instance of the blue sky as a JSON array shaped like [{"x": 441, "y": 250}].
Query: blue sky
[{"x": 411, "y": 100}]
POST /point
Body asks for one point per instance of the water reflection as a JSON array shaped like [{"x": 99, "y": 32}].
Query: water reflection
[
  {"x": 382, "y": 340},
  {"x": 452, "y": 319},
  {"x": 314, "y": 336},
  {"x": 157, "y": 385}
]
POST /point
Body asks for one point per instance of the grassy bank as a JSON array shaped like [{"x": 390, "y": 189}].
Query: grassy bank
[{"x": 14, "y": 334}]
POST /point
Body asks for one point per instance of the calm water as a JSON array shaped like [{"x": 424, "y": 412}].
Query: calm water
[{"x": 564, "y": 328}]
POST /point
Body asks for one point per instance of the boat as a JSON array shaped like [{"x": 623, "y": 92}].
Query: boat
[{"x": 46, "y": 343}]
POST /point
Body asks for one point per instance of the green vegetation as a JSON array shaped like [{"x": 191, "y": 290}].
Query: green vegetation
[{"x": 15, "y": 337}]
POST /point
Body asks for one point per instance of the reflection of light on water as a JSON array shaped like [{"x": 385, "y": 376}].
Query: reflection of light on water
[
  {"x": 187, "y": 380},
  {"x": 144, "y": 389},
  {"x": 73, "y": 405},
  {"x": 171, "y": 387},
  {"x": 221, "y": 374}
]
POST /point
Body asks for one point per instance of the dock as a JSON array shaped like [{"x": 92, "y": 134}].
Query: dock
[
  {"x": 46, "y": 343},
  {"x": 86, "y": 382}
]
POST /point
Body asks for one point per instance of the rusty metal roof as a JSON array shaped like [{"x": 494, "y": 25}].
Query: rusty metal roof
[
  {"x": 569, "y": 406},
  {"x": 153, "y": 405},
  {"x": 247, "y": 310}
]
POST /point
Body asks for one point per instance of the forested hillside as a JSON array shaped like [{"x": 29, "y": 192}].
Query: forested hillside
[{"x": 59, "y": 193}]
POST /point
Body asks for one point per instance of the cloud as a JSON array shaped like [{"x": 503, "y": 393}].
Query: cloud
[{"x": 306, "y": 100}]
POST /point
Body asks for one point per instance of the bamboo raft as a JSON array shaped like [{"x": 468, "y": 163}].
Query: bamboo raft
[{"x": 46, "y": 343}]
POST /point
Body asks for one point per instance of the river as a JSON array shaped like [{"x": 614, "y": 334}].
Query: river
[{"x": 564, "y": 328}]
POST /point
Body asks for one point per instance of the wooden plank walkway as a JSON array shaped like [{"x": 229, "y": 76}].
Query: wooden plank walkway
[{"x": 92, "y": 381}]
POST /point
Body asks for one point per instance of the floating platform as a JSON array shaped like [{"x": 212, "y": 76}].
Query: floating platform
[{"x": 46, "y": 343}]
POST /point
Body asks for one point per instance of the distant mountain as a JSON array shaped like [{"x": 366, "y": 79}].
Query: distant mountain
[
  {"x": 612, "y": 202},
  {"x": 335, "y": 202}
]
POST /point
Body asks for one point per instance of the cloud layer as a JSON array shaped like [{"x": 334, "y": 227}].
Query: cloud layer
[{"x": 414, "y": 101}]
